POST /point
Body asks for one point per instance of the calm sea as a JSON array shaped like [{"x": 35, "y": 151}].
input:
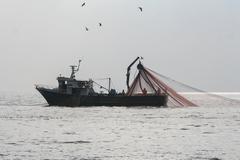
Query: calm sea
[{"x": 29, "y": 129}]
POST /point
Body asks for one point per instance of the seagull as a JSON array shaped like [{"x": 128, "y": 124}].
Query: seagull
[
  {"x": 141, "y": 9},
  {"x": 83, "y": 4},
  {"x": 100, "y": 24},
  {"x": 86, "y": 29}
]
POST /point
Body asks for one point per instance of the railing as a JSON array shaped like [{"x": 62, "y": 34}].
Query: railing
[{"x": 45, "y": 86}]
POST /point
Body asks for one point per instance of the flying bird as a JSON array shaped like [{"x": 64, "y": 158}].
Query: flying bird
[
  {"x": 86, "y": 29},
  {"x": 83, "y": 4},
  {"x": 100, "y": 24},
  {"x": 140, "y": 8}
]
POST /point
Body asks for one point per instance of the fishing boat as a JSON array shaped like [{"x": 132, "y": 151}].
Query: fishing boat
[
  {"x": 75, "y": 93},
  {"x": 145, "y": 90}
]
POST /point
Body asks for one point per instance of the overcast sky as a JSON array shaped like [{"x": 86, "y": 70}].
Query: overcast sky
[{"x": 193, "y": 41}]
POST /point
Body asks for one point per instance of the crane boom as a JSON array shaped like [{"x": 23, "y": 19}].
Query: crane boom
[{"x": 128, "y": 71}]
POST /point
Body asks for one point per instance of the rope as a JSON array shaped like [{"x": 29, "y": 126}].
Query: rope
[{"x": 100, "y": 86}]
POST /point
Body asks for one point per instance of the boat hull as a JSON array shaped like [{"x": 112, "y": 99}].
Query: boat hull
[{"x": 55, "y": 98}]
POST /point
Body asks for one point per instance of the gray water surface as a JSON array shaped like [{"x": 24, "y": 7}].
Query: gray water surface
[{"x": 31, "y": 130}]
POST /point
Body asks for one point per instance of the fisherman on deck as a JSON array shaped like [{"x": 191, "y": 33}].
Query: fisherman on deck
[
  {"x": 123, "y": 92},
  {"x": 158, "y": 92},
  {"x": 144, "y": 91}
]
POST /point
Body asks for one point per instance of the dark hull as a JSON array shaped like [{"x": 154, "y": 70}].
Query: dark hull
[{"x": 61, "y": 99}]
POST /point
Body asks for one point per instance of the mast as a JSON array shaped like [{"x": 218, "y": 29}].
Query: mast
[
  {"x": 74, "y": 70},
  {"x": 109, "y": 84}
]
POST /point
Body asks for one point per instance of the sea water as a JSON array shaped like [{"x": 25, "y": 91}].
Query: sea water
[{"x": 29, "y": 129}]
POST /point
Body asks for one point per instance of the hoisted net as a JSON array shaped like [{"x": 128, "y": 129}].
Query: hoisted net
[
  {"x": 195, "y": 95},
  {"x": 147, "y": 83},
  {"x": 179, "y": 94}
]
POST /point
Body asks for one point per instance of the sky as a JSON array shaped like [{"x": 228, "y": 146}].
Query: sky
[{"x": 196, "y": 42}]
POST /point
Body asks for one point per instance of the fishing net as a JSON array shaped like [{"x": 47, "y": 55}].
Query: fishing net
[
  {"x": 150, "y": 82},
  {"x": 146, "y": 83},
  {"x": 197, "y": 96}
]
